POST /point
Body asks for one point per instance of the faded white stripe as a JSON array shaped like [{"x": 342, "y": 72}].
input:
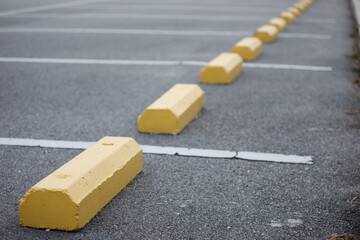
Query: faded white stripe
[
  {"x": 316, "y": 20},
  {"x": 162, "y": 17},
  {"x": 288, "y": 67},
  {"x": 184, "y": 7},
  {"x": 47, "y": 7},
  {"x": 194, "y": 152},
  {"x": 155, "y": 32},
  {"x": 158, "y": 63},
  {"x": 273, "y": 157},
  {"x": 160, "y": 6},
  {"x": 305, "y": 35},
  {"x": 123, "y": 31},
  {"x": 90, "y": 61},
  {"x": 149, "y": 149}
]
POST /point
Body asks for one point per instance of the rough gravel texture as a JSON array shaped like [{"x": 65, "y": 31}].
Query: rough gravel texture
[{"x": 264, "y": 110}]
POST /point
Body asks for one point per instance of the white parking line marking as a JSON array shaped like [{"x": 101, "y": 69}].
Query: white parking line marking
[
  {"x": 157, "y": 6},
  {"x": 48, "y": 7},
  {"x": 194, "y": 152},
  {"x": 269, "y": 66},
  {"x": 45, "y": 143},
  {"x": 155, "y": 32},
  {"x": 158, "y": 63},
  {"x": 271, "y": 157},
  {"x": 90, "y": 61},
  {"x": 287, "y": 67},
  {"x": 304, "y": 35},
  {"x": 162, "y": 17},
  {"x": 149, "y": 149},
  {"x": 183, "y": 7},
  {"x": 316, "y": 20}
]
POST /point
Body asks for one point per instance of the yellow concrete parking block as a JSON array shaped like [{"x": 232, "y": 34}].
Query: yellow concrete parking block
[
  {"x": 222, "y": 70},
  {"x": 70, "y": 196},
  {"x": 299, "y": 6},
  {"x": 279, "y": 23},
  {"x": 248, "y": 48},
  {"x": 294, "y": 11},
  {"x": 173, "y": 111},
  {"x": 306, "y": 3},
  {"x": 266, "y": 33},
  {"x": 287, "y": 16}
]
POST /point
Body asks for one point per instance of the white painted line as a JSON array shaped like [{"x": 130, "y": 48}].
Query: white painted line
[
  {"x": 194, "y": 152},
  {"x": 182, "y": 17},
  {"x": 90, "y": 61},
  {"x": 184, "y": 7},
  {"x": 141, "y": 16},
  {"x": 48, "y": 7},
  {"x": 272, "y": 157},
  {"x": 193, "y": 63},
  {"x": 148, "y": 149},
  {"x": 165, "y": 5},
  {"x": 208, "y": 3},
  {"x": 269, "y": 66},
  {"x": 155, "y": 32},
  {"x": 124, "y": 31},
  {"x": 158, "y": 63},
  {"x": 45, "y": 143},
  {"x": 287, "y": 67},
  {"x": 275, "y": 9},
  {"x": 305, "y": 35},
  {"x": 316, "y": 20}
]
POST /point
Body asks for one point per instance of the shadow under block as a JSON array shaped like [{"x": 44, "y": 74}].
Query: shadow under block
[
  {"x": 279, "y": 23},
  {"x": 222, "y": 70},
  {"x": 248, "y": 48},
  {"x": 266, "y": 33},
  {"x": 289, "y": 17},
  {"x": 173, "y": 110},
  {"x": 72, "y": 195}
]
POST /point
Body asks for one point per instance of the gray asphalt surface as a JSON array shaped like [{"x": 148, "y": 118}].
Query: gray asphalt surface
[{"x": 264, "y": 110}]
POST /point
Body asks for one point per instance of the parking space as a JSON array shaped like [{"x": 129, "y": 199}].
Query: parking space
[{"x": 286, "y": 111}]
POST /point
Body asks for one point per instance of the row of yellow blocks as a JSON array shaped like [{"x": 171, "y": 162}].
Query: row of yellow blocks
[
  {"x": 224, "y": 68},
  {"x": 72, "y": 195},
  {"x": 178, "y": 106}
]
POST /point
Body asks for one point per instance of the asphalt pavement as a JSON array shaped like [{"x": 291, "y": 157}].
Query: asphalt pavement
[{"x": 287, "y": 111}]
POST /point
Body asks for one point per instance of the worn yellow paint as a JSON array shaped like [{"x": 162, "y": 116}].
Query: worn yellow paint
[
  {"x": 300, "y": 6},
  {"x": 294, "y": 11},
  {"x": 248, "y": 48},
  {"x": 70, "y": 196},
  {"x": 279, "y": 23},
  {"x": 306, "y": 3},
  {"x": 222, "y": 70},
  {"x": 266, "y": 33},
  {"x": 287, "y": 16},
  {"x": 173, "y": 110}
]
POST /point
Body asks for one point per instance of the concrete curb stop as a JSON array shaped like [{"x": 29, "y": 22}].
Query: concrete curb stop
[
  {"x": 173, "y": 111},
  {"x": 266, "y": 33},
  {"x": 72, "y": 195},
  {"x": 248, "y": 48},
  {"x": 222, "y": 70}
]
